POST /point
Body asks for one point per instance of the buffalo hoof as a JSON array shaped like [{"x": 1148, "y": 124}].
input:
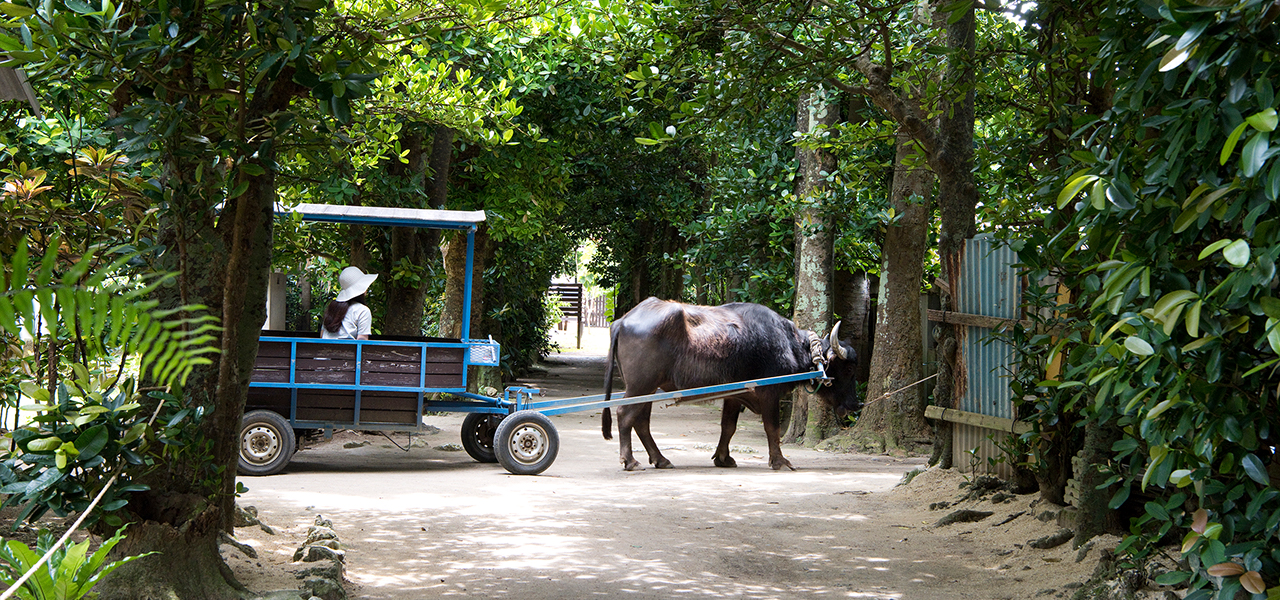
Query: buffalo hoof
[
  {"x": 663, "y": 463},
  {"x": 632, "y": 465},
  {"x": 726, "y": 462},
  {"x": 778, "y": 463}
]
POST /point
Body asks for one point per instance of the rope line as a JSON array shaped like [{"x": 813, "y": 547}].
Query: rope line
[{"x": 882, "y": 396}]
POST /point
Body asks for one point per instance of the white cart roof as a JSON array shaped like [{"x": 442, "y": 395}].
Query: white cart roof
[{"x": 382, "y": 215}]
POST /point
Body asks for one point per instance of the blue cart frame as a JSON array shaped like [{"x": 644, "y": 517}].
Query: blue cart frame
[{"x": 301, "y": 382}]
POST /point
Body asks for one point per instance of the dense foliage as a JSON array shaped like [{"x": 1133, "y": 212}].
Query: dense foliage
[{"x": 1166, "y": 239}]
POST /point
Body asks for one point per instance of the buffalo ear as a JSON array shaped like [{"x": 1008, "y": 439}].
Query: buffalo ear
[{"x": 834, "y": 338}]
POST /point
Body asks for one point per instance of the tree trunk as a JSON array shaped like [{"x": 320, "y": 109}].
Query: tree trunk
[
  {"x": 187, "y": 554},
  {"x": 852, "y": 304},
  {"x": 455, "y": 261},
  {"x": 408, "y": 266},
  {"x": 811, "y": 419},
  {"x": 223, "y": 259},
  {"x": 304, "y": 321},
  {"x": 957, "y": 202},
  {"x": 887, "y": 421},
  {"x": 455, "y": 264},
  {"x": 1094, "y": 516},
  {"x": 174, "y": 512}
]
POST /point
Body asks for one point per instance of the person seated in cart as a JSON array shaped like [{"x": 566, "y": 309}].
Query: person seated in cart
[{"x": 347, "y": 317}]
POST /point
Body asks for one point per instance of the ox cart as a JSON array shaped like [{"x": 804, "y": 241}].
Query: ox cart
[{"x": 302, "y": 383}]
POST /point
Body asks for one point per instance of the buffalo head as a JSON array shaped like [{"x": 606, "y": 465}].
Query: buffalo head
[{"x": 842, "y": 368}]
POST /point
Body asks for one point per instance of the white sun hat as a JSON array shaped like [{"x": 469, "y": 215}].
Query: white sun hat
[{"x": 353, "y": 282}]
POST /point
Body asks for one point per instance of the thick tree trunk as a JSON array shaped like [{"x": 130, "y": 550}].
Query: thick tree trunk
[
  {"x": 811, "y": 419},
  {"x": 188, "y": 554},
  {"x": 174, "y": 512},
  {"x": 223, "y": 258},
  {"x": 243, "y": 311},
  {"x": 952, "y": 160},
  {"x": 889, "y": 419},
  {"x": 852, "y": 305}
]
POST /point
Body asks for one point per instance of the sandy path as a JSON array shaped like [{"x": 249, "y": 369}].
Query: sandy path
[{"x": 433, "y": 523}]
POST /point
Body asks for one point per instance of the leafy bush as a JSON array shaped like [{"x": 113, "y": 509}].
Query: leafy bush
[
  {"x": 1167, "y": 238},
  {"x": 89, "y": 423},
  {"x": 69, "y": 574}
]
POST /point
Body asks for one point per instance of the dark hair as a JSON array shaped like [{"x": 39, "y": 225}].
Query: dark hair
[{"x": 337, "y": 311}]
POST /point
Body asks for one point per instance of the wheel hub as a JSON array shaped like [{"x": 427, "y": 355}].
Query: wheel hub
[
  {"x": 528, "y": 443},
  {"x": 259, "y": 444}
]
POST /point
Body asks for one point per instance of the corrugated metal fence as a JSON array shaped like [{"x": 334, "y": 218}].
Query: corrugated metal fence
[{"x": 989, "y": 286}]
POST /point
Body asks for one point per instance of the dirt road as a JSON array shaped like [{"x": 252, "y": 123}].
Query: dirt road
[{"x": 432, "y": 523}]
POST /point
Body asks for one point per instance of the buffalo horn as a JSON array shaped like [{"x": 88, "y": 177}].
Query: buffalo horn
[{"x": 835, "y": 342}]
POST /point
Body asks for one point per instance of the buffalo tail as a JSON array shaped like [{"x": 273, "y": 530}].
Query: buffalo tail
[{"x": 606, "y": 417}]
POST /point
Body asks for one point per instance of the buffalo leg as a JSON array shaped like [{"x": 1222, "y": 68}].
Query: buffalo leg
[
  {"x": 728, "y": 425},
  {"x": 650, "y": 447},
  {"x": 626, "y": 421},
  {"x": 773, "y": 432}
]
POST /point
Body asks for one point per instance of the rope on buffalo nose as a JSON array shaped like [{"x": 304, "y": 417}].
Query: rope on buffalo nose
[
  {"x": 819, "y": 362},
  {"x": 815, "y": 349}
]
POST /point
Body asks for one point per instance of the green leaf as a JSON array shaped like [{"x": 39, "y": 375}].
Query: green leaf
[
  {"x": 1119, "y": 499},
  {"x": 1230, "y": 145},
  {"x": 1214, "y": 247},
  {"x": 1175, "y": 57},
  {"x": 1172, "y": 300},
  {"x": 1270, "y": 306},
  {"x": 1073, "y": 187},
  {"x": 1213, "y": 197},
  {"x": 1185, "y": 219},
  {"x": 1162, "y": 406},
  {"x": 1172, "y": 577},
  {"x": 1193, "y": 319},
  {"x": 646, "y": 141},
  {"x": 239, "y": 190},
  {"x": 1098, "y": 196},
  {"x": 1255, "y": 153},
  {"x": 46, "y": 444},
  {"x": 1254, "y": 468},
  {"x": 1237, "y": 253},
  {"x": 10, "y": 45},
  {"x": 1264, "y": 121},
  {"x": 17, "y": 11},
  {"x": 92, "y": 441},
  {"x": 1138, "y": 346}
]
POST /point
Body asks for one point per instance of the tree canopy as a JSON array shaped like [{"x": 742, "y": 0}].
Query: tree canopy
[{"x": 1122, "y": 147}]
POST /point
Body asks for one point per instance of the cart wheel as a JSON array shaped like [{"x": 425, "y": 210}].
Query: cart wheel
[
  {"x": 526, "y": 443},
  {"x": 477, "y": 436},
  {"x": 266, "y": 443}
]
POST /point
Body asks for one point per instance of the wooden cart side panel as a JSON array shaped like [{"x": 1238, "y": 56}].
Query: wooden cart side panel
[
  {"x": 375, "y": 407},
  {"x": 408, "y": 366},
  {"x": 273, "y": 399}
]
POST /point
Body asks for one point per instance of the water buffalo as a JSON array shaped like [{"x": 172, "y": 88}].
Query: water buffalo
[{"x": 675, "y": 346}]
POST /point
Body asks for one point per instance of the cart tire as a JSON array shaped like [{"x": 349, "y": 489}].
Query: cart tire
[
  {"x": 477, "y": 436},
  {"x": 267, "y": 443},
  {"x": 526, "y": 443}
]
